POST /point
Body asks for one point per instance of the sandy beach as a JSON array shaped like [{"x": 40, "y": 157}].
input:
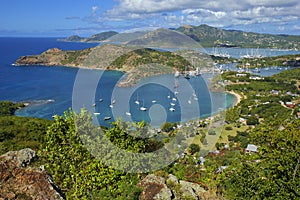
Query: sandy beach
[{"x": 237, "y": 96}]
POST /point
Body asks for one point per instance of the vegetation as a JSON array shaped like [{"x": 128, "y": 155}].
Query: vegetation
[
  {"x": 209, "y": 36},
  {"x": 8, "y": 108},
  {"x": 284, "y": 60},
  {"x": 19, "y": 132},
  {"x": 78, "y": 173},
  {"x": 273, "y": 173},
  {"x": 262, "y": 118}
]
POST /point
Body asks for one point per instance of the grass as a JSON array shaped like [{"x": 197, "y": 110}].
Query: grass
[{"x": 225, "y": 133}]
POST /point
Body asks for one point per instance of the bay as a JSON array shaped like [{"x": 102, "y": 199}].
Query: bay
[{"x": 50, "y": 89}]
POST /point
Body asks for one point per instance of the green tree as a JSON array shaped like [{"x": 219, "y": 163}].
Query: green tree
[
  {"x": 273, "y": 172},
  {"x": 194, "y": 148}
]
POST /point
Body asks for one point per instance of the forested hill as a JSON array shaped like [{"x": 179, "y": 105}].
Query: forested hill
[{"x": 208, "y": 36}]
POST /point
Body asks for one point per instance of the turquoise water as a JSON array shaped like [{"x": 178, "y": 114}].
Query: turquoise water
[{"x": 51, "y": 89}]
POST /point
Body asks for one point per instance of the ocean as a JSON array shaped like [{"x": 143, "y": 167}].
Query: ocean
[{"x": 53, "y": 90}]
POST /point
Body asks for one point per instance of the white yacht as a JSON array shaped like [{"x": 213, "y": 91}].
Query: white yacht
[
  {"x": 172, "y": 109},
  {"x": 143, "y": 108}
]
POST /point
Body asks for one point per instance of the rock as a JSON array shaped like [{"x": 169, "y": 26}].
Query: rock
[
  {"x": 158, "y": 188},
  {"x": 18, "y": 181},
  {"x": 25, "y": 156},
  {"x": 187, "y": 190},
  {"x": 22, "y": 157},
  {"x": 154, "y": 188},
  {"x": 172, "y": 179}
]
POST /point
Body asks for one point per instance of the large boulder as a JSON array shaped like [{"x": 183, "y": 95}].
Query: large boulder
[
  {"x": 155, "y": 188},
  {"x": 191, "y": 190},
  {"x": 19, "y": 181}
]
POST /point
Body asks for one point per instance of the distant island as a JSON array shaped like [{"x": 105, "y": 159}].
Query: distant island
[{"x": 207, "y": 36}]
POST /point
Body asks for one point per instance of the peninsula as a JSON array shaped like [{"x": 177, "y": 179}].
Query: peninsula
[{"x": 136, "y": 63}]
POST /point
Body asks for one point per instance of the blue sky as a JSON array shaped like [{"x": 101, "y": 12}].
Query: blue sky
[{"x": 86, "y": 17}]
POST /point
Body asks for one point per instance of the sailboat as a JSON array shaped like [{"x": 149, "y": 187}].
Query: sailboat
[
  {"x": 186, "y": 74},
  {"x": 195, "y": 96},
  {"x": 128, "y": 113},
  {"x": 137, "y": 100},
  {"x": 107, "y": 118},
  {"x": 198, "y": 73},
  {"x": 143, "y": 108},
  {"x": 177, "y": 74},
  {"x": 172, "y": 109}
]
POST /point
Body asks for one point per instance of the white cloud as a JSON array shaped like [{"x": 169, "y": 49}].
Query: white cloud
[
  {"x": 95, "y": 9},
  {"x": 220, "y": 13}
]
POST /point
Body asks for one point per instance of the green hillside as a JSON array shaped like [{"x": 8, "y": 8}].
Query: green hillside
[{"x": 210, "y": 36}]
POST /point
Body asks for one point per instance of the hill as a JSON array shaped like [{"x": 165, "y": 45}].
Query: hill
[
  {"x": 165, "y": 38},
  {"x": 94, "y": 38},
  {"x": 100, "y": 36},
  {"x": 206, "y": 35},
  {"x": 210, "y": 36},
  {"x": 138, "y": 63}
]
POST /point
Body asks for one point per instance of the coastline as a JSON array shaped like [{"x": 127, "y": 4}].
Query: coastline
[{"x": 237, "y": 96}]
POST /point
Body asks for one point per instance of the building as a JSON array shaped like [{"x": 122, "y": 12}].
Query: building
[{"x": 251, "y": 148}]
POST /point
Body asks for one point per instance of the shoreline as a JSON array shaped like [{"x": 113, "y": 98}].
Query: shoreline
[{"x": 237, "y": 96}]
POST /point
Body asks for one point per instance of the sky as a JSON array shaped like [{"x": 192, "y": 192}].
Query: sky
[{"x": 61, "y": 18}]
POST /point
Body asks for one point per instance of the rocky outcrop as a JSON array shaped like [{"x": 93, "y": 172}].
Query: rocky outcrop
[
  {"x": 159, "y": 188},
  {"x": 19, "y": 181},
  {"x": 155, "y": 188}
]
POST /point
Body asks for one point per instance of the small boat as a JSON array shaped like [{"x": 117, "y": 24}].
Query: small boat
[
  {"x": 100, "y": 100},
  {"x": 172, "y": 104},
  {"x": 187, "y": 76},
  {"x": 177, "y": 74},
  {"x": 107, "y": 118},
  {"x": 96, "y": 113},
  {"x": 198, "y": 73},
  {"x": 196, "y": 98},
  {"x": 169, "y": 96},
  {"x": 94, "y": 104},
  {"x": 113, "y": 101},
  {"x": 256, "y": 70},
  {"x": 174, "y": 99},
  {"x": 172, "y": 109},
  {"x": 111, "y": 106},
  {"x": 153, "y": 101},
  {"x": 128, "y": 113},
  {"x": 143, "y": 108},
  {"x": 137, "y": 102},
  {"x": 189, "y": 102},
  {"x": 176, "y": 92}
]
